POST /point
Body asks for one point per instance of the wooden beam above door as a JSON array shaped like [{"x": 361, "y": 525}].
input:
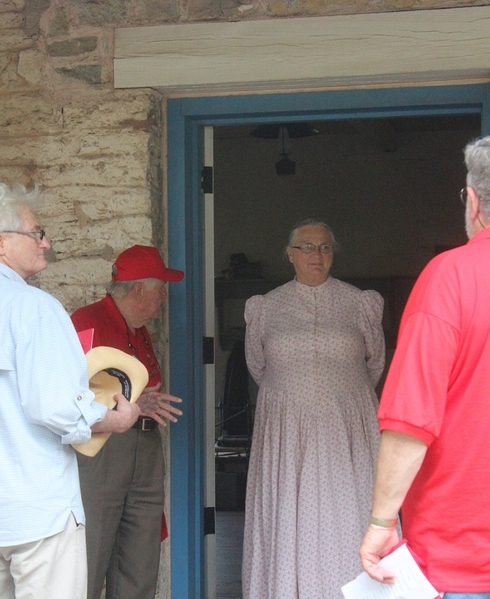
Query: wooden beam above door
[{"x": 445, "y": 46}]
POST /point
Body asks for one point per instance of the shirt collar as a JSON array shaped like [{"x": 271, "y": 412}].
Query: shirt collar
[
  {"x": 11, "y": 274},
  {"x": 484, "y": 234},
  {"x": 114, "y": 310}
]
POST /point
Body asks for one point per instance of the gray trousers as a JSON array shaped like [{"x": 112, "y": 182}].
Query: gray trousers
[{"x": 122, "y": 492}]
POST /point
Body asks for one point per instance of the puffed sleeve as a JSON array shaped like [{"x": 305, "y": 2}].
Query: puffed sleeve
[
  {"x": 372, "y": 329},
  {"x": 254, "y": 336}
]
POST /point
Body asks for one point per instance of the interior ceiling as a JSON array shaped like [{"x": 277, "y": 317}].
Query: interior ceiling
[{"x": 465, "y": 122}]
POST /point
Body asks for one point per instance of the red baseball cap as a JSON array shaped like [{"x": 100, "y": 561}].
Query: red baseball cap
[{"x": 143, "y": 262}]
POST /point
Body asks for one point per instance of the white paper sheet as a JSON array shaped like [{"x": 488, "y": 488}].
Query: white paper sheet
[{"x": 410, "y": 582}]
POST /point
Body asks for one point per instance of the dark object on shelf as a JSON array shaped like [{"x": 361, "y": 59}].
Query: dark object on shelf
[
  {"x": 233, "y": 440},
  {"x": 241, "y": 268}
]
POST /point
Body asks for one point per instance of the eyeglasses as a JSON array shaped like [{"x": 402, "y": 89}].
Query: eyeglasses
[
  {"x": 41, "y": 233},
  {"x": 309, "y": 248}
]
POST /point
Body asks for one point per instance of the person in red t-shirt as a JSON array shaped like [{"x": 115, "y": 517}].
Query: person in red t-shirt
[
  {"x": 122, "y": 486},
  {"x": 434, "y": 414}
]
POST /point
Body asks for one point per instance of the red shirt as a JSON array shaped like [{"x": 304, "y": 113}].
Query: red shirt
[
  {"x": 438, "y": 390},
  {"x": 110, "y": 329}
]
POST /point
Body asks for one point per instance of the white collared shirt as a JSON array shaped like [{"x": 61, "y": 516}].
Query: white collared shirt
[{"x": 45, "y": 404}]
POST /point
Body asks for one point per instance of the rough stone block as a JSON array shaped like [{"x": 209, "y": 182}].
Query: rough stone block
[
  {"x": 128, "y": 111},
  {"x": 8, "y": 70},
  {"x": 35, "y": 149},
  {"x": 126, "y": 171},
  {"x": 119, "y": 152},
  {"x": 59, "y": 24},
  {"x": 33, "y": 12},
  {"x": 14, "y": 40},
  {"x": 86, "y": 203},
  {"x": 70, "y": 240},
  {"x": 97, "y": 143},
  {"x": 10, "y": 20},
  {"x": 27, "y": 114},
  {"x": 12, "y": 6},
  {"x": 31, "y": 66},
  {"x": 73, "y": 46},
  {"x": 112, "y": 204},
  {"x": 72, "y": 296},
  {"x": 91, "y": 74},
  {"x": 153, "y": 11},
  {"x": 11, "y": 174},
  {"x": 108, "y": 12},
  {"x": 81, "y": 271}
]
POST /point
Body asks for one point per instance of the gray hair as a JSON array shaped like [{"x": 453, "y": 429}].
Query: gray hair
[
  {"x": 477, "y": 160},
  {"x": 119, "y": 289},
  {"x": 311, "y": 222},
  {"x": 12, "y": 202}
]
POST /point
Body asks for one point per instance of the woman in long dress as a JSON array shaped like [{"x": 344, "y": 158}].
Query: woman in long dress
[{"x": 315, "y": 347}]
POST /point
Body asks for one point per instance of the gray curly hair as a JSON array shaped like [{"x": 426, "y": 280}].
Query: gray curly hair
[
  {"x": 13, "y": 200},
  {"x": 477, "y": 160}
]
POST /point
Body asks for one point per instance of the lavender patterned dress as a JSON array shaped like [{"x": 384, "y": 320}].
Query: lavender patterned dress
[{"x": 316, "y": 354}]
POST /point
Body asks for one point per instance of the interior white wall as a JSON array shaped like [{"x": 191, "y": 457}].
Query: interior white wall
[{"x": 389, "y": 209}]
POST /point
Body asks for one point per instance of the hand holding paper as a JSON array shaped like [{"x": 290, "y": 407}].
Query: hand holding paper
[
  {"x": 409, "y": 581},
  {"x": 378, "y": 542}
]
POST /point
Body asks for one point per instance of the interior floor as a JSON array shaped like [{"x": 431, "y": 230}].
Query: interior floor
[{"x": 229, "y": 541}]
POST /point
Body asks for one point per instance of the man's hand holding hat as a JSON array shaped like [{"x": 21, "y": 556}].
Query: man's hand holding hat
[
  {"x": 116, "y": 379},
  {"x": 119, "y": 420}
]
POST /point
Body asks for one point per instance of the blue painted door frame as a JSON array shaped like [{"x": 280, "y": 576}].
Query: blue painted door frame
[{"x": 186, "y": 119}]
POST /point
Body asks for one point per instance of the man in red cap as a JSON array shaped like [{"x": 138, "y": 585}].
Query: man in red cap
[{"x": 122, "y": 486}]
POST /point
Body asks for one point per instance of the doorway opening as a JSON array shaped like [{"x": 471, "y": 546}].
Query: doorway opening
[
  {"x": 192, "y": 456},
  {"x": 389, "y": 189}
]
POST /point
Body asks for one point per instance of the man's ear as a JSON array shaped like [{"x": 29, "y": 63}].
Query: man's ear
[
  {"x": 137, "y": 289},
  {"x": 474, "y": 204}
]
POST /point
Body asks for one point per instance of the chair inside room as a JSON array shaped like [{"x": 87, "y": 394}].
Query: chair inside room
[{"x": 235, "y": 411}]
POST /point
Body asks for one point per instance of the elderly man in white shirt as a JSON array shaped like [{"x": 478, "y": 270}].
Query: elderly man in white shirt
[{"x": 46, "y": 405}]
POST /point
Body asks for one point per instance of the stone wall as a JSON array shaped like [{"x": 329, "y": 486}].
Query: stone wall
[{"x": 97, "y": 152}]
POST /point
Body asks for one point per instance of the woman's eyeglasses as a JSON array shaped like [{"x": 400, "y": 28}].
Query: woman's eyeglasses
[{"x": 309, "y": 248}]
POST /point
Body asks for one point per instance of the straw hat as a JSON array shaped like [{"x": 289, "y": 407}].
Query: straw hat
[{"x": 111, "y": 371}]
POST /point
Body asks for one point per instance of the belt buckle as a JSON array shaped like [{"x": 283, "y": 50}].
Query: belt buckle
[{"x": 143, "y": 424}]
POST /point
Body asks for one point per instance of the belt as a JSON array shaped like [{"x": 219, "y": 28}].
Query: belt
[{"x": 145, "y": 424}]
